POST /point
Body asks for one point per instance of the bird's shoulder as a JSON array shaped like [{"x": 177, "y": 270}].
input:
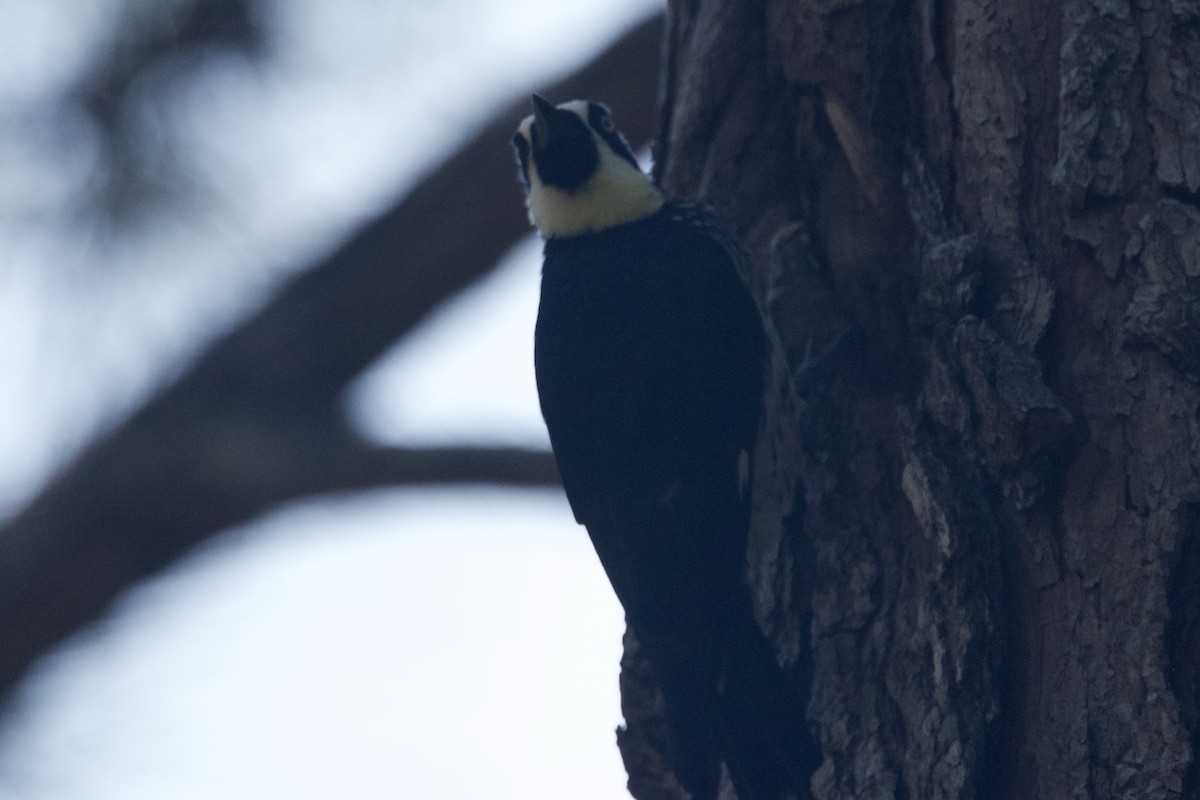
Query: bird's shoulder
[{"x": 679, "y": 233}]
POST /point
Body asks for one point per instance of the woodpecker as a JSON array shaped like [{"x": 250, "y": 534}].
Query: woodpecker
[{"x": 650, "y": 353}]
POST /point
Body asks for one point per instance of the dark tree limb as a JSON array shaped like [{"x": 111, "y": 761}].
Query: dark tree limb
[
  {"x": 368, "y": 467},
  {"x": 257, "y": 420}
]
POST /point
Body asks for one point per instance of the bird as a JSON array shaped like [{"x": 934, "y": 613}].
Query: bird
[{"x": 650, "y": 352}]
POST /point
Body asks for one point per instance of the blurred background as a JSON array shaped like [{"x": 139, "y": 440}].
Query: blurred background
[{"x": 165, "y": 167}]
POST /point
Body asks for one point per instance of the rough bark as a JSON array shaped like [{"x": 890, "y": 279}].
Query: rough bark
[{"x": 990, "y": 585}]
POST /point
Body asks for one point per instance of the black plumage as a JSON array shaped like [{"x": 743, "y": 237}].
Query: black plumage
[{"x": 650, "y": 355}]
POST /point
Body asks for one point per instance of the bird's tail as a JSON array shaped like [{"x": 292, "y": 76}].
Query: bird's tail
[{"x": 761, "y": 725}]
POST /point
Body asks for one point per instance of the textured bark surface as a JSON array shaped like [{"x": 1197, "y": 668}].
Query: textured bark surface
[{"x": 990, "y": 586}]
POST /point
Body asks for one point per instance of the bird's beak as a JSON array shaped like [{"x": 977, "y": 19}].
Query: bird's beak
[{"x": 543, "y": 113}]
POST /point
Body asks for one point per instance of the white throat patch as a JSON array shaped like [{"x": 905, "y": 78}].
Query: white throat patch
[{"x": 616, "y": 194}]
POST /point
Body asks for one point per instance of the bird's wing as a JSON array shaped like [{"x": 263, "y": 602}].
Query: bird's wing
[{"x": 586, "y": 476}]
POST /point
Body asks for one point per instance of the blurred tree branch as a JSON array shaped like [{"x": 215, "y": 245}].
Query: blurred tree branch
[
  {"x": 257, "y": 420},
  {"x": 152, "y": 47}
]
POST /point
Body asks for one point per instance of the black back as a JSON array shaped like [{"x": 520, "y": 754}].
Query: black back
[
  {"x": 650, "y": 357},
  {"x": 649, "y": 351}
]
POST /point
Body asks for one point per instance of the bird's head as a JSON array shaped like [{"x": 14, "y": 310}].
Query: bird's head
[{"x": 579, "y": 173}]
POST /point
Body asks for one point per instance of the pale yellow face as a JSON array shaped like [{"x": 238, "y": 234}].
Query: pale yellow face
[{"x": 616, "y": 193}]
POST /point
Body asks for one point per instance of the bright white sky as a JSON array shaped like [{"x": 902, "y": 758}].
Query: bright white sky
[
  {"x": 424, "y": 645},
  {"x": 444, "y": 644}
]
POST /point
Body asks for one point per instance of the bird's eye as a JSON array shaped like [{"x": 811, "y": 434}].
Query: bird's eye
[{"x": 606, "y": 122}]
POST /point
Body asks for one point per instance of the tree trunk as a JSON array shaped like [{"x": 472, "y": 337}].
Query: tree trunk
[{"x": 990, "y": 584}]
